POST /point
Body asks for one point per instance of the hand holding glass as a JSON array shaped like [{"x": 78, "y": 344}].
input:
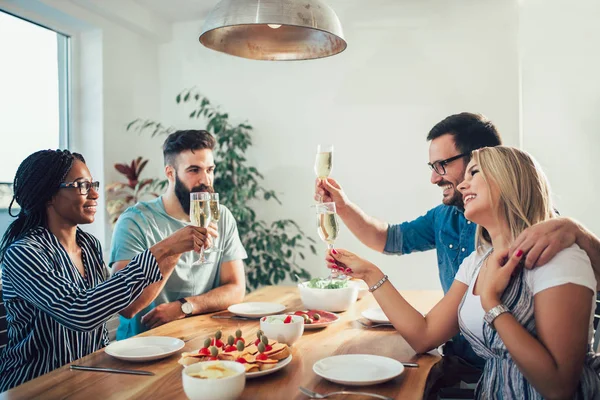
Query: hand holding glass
[
  {"x": 200, "y": 215},
  {"x": 215, "y": 215}
]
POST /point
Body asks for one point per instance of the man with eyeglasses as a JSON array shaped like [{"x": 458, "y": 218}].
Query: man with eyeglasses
[{"x": 444, "y": 227}]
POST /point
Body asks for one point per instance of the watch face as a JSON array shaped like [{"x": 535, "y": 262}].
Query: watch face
[{"x": 187, "y": 308}]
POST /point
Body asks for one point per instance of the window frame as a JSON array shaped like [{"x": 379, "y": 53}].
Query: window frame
[{"x": 64, "y": 58}]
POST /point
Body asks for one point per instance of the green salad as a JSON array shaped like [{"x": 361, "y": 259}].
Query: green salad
[{"x": 318, "y": 283}]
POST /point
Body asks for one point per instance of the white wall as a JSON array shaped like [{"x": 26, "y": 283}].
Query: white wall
[
  {"x": 561, "y": 99},
  {"x": 407, "y": 66},
  {"x": 115, "y": 79}
]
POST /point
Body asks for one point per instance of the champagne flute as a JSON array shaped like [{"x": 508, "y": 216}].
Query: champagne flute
[
  {"x": 215, "y": 214},
  {"x": 200, "y": 215},
  {"x": 323, "y": 162},
  {"x": 328, "y": 228}
]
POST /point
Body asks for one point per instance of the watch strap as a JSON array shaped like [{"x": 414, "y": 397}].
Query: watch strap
[{"x": 494, "y": 313}]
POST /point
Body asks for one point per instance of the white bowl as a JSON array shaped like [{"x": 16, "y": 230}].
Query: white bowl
[
  {"x": 283, "y": 333},
  {"x": 333, "y": 300},
  {"x": 229, "y": 388}
]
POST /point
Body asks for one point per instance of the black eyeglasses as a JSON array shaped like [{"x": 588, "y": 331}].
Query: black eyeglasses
[
  {"x": 440, "y": 166},
  {"x": 84, "y": 186}
]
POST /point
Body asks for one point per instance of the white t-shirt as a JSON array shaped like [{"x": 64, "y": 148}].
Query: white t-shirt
[{"x": 571, "y": 265}]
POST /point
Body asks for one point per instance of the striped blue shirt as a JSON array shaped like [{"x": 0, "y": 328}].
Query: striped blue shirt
[{"x": 54, "y": 314}]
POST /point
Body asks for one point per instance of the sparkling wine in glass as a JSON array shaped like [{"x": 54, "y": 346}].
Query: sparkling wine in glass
[
  {"x": 215, "y": 213},
  {"x": 324, "y": 162},
  {"x": 328, "y": 228},
  {"x": 200, "y": 215}
]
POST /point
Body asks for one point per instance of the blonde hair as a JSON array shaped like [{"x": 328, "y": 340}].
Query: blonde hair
[{"x": 524, "y": 192}]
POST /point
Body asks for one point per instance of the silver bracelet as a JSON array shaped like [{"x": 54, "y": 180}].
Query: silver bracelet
[{"x": 378, "y": 284}]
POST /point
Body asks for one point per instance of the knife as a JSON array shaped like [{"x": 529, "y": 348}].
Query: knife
[
  {"x": 411, "y": 365},
  {"x": 234, "y": 317},
  {"x": 116, "y": 371}
]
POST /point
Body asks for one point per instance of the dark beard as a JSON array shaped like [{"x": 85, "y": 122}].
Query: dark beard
[
  {"x": 456, "y": 199},
  {"x": 183, "y": 194}
]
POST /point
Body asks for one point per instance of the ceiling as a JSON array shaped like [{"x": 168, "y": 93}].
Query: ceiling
[
  {"x": 188, "y": 10},
  {"x": 179, "y": 10}
]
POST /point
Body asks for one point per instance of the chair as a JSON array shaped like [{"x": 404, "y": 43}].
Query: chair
[{"x": 596, "y": 323}]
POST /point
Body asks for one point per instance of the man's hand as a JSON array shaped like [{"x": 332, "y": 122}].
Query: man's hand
[
  {"x": 213, "y": 232},
  {"x": 544, "y": 240},
  {"x": 329, "y": 191},
  {"x": 162, "y": 314}
]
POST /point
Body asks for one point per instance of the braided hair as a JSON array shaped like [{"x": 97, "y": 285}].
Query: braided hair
[{"x": 37, "y": 180}]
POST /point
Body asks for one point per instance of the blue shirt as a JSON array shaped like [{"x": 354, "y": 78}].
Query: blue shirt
[{"x": 443, "y": 228}]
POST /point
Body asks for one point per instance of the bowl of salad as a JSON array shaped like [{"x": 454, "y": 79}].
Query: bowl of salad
[{"x": 328, "y": 294}]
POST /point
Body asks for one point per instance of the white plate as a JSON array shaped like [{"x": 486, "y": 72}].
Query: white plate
[
  {"x": 376, "y": 315},
  {"x": 255, "y": 310},
  {"x": 358, "y": 369},
  {"x": 144, "y": 348},
  {"x": 280, "y": 364}
]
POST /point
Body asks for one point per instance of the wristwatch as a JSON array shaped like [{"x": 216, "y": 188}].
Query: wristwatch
[
  {"x": 494, "y": 313},
  {"x": 186, "y": 307}
]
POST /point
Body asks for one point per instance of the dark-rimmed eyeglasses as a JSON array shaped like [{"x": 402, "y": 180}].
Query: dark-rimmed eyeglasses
[
  {"x": 84, "y": 186},
  {"x": 440, "y": 166}
]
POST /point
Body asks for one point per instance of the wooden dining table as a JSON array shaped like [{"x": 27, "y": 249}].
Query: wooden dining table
[{"x": 347, "y": 336}]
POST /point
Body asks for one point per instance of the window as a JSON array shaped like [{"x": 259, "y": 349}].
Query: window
[{"x": 34, "y": 96}]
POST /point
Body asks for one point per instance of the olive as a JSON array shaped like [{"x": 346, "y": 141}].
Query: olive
[
  {"x": 261, "y": 347},
  {"x": 240, "y": 346},
  {"x": 230, "y": 340},
  {"x": 264, "y": 339},
  {"x": 238, "y": 333},
  {"x": 213, "y": 351},
  {"x": 259, "y": 333},
  {"x": 207, "y": 343},
  {"x": 218, "y": 335}
]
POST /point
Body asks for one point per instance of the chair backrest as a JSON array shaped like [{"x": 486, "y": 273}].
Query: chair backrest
[
  {"x": 597, "y": 323},
  {"x": 3, "y": 324}
]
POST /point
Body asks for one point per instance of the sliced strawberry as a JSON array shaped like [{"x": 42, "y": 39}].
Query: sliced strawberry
[
  {"x": 262, "y": 357},
  {"x": 204, "y": 351},
  {"x": 241, "y": 360},
  {"x": 240, "y": 339},
  {"x": 287, "y": 319},
  {"x": 217, "y": 343},
  {"x": 229, "y": 349},
  {"x": 257, "y": 342},
  {"x": 268, "y": 347}
]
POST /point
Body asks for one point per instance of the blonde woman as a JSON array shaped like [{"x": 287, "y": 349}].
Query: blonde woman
[{"x": 533, "y": 327}]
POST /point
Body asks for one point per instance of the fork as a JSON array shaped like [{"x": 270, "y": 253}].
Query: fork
[
  {"x": 373, "y": 325},
  {"x": 315, "y": 395}
]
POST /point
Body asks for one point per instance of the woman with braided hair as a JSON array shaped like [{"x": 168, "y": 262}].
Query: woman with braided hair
[{"x": 56, "y": 289}]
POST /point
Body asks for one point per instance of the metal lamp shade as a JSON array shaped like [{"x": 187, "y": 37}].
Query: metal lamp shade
[{"x": 274, "y": 29}]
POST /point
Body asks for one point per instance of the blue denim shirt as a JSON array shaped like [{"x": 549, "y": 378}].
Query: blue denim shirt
[{"x": 445, "y": 229}]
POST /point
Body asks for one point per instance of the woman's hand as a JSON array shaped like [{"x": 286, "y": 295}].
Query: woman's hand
[
  {"x": 349, "y": 263},
  {"x": 186, "y": 239},
  {"x": 495, "y": 276}
]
